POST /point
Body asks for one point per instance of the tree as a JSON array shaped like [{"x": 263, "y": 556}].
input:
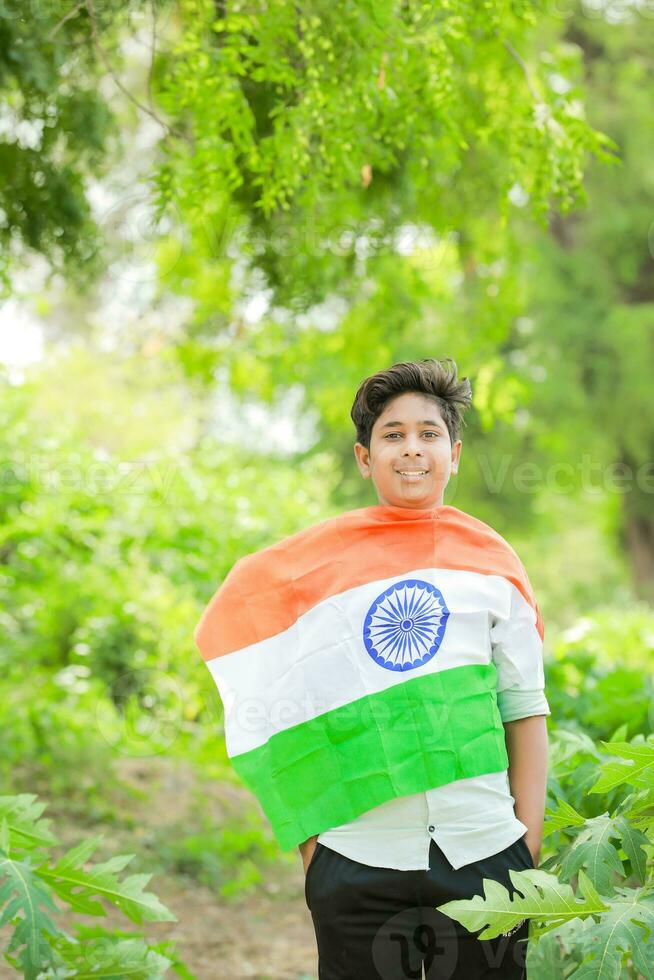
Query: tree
[
  {"x": 58, "y": 128},
  {"x": 592, "y": 294},
  {"x": 313, "y": 127},
  {"x": 299, "y": 135}
]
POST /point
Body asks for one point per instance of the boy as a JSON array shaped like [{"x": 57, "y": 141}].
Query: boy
[{"x": 393, "y": 656}]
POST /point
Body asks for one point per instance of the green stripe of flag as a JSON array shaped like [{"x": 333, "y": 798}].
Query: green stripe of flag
[{"x": 414, "y": 736}]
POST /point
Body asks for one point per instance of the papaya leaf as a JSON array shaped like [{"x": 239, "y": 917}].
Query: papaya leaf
[
  {"x": 23, "y": 897},
  {"x": 637, "y": 768},
  {"x": 545, "y": 899},
  {"x": 62, "y": 877},
  {"x": 564, "y": 816},
  {"x": 639, "y": 809},
  {"x": 25, "y": 827},
  {"x": 567, "y": 744},
  {"x": 167, "y": 948},
  {"x": 631, "y": 802},
  {"x": 627, "y": 926},
  {"x": 553, "y": 955},
  {"x": 112, "y": 958},
  {"x": 593, "y": 850},
  {"x": 89, "y": 939},
  {"x": 80, "y": 888},
  {"x": 633, "y": 842},
  {"x": 620, "y": 733}
]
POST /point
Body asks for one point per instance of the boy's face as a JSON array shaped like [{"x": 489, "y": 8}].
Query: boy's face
[{"x": 417, "y": 440}]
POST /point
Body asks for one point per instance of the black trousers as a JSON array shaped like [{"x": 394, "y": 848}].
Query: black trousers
[{"x": 382, "y": 924}]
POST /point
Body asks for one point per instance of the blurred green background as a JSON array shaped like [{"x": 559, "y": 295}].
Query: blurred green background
[{"x": 217, "y": 219}]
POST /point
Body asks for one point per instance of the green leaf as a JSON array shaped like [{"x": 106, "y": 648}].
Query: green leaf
[
  {"x": 564, "y": 816},
  {"x": 627, "y": 927},
  {"x": 551, "y": 955},
  {"x": 620, "y": 732},
  {"x": 633, "y": 843},
  {"x": 23, "y": 898},
  {"x": 167, "y": 947},
  {"x": 593, "y": 850},
  {"x": 80, "y": 888},
  {"x": 112, "y": 958},
  {"x": 637, "y": 769},
  {"x": 547, "y": 900},
  {"x": 22, "y": 815},
  {"x": 5, "y": 844},
  {"x": 639, "y": 809}
]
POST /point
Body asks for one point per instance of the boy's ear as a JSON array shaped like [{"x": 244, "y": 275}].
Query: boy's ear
[
  {"x": 456, "y": 455},
  {"x": 362, "y": 456}
]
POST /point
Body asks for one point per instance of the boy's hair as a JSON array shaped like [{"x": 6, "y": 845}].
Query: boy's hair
[{"x": 435, "y": 378}]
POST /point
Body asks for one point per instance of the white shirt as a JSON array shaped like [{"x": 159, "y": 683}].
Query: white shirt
[{"x": 469, "y": 819}]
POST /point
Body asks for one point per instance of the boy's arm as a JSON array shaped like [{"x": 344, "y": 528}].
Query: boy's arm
[
  {"x": 526, "y": 745},
  {"x": 517, "y": 645},
  {"x": 306, "y": 850}
]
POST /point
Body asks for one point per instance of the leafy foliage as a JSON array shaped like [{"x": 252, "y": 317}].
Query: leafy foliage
[
  {"x": 29, "y": 883},
  {"x": 112, "y": 669},
  {"x": 442, "y": 119},
  {"x": 609, "y": 858},
  {"x": 599, "y": 672},
  {"x": 58, "y": 129},
  {"x": 543, "y": 898},
  {"x": 448, "y": 109},
  {"x": 590, "y": 284}
]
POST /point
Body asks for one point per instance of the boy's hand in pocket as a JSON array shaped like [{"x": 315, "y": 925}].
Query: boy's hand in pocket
[{"x": 307, "y": 849}]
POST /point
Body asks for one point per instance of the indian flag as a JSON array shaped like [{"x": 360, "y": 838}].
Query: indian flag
[{"x": 360, "y": 660}]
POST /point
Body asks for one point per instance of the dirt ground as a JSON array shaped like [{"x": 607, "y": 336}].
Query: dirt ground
[{"x": 266, "y": 934}]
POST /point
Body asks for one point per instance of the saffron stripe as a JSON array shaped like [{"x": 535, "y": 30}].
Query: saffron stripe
[{"x": 266, "y": 592}]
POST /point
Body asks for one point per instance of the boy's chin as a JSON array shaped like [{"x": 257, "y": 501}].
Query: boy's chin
[{"x": 418, "y": 501}]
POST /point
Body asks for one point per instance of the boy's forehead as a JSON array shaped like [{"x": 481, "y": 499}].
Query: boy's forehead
[{"x": 410, "y": 406}]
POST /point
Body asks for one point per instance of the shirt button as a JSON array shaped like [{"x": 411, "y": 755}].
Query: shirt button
[{"x": 431, "y": 827}]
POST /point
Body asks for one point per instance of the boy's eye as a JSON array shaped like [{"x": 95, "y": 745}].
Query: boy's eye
[{"x": 399, "y": 433}]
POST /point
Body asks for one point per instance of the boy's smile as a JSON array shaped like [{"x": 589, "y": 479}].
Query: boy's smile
[{"x": 411, "y": 456}]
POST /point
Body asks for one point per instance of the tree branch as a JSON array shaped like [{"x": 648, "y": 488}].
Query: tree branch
[
  {"x": 71, "y": 13},
  {"x": 520, "y": 60},
  {"x": 144, "y": 108}
]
